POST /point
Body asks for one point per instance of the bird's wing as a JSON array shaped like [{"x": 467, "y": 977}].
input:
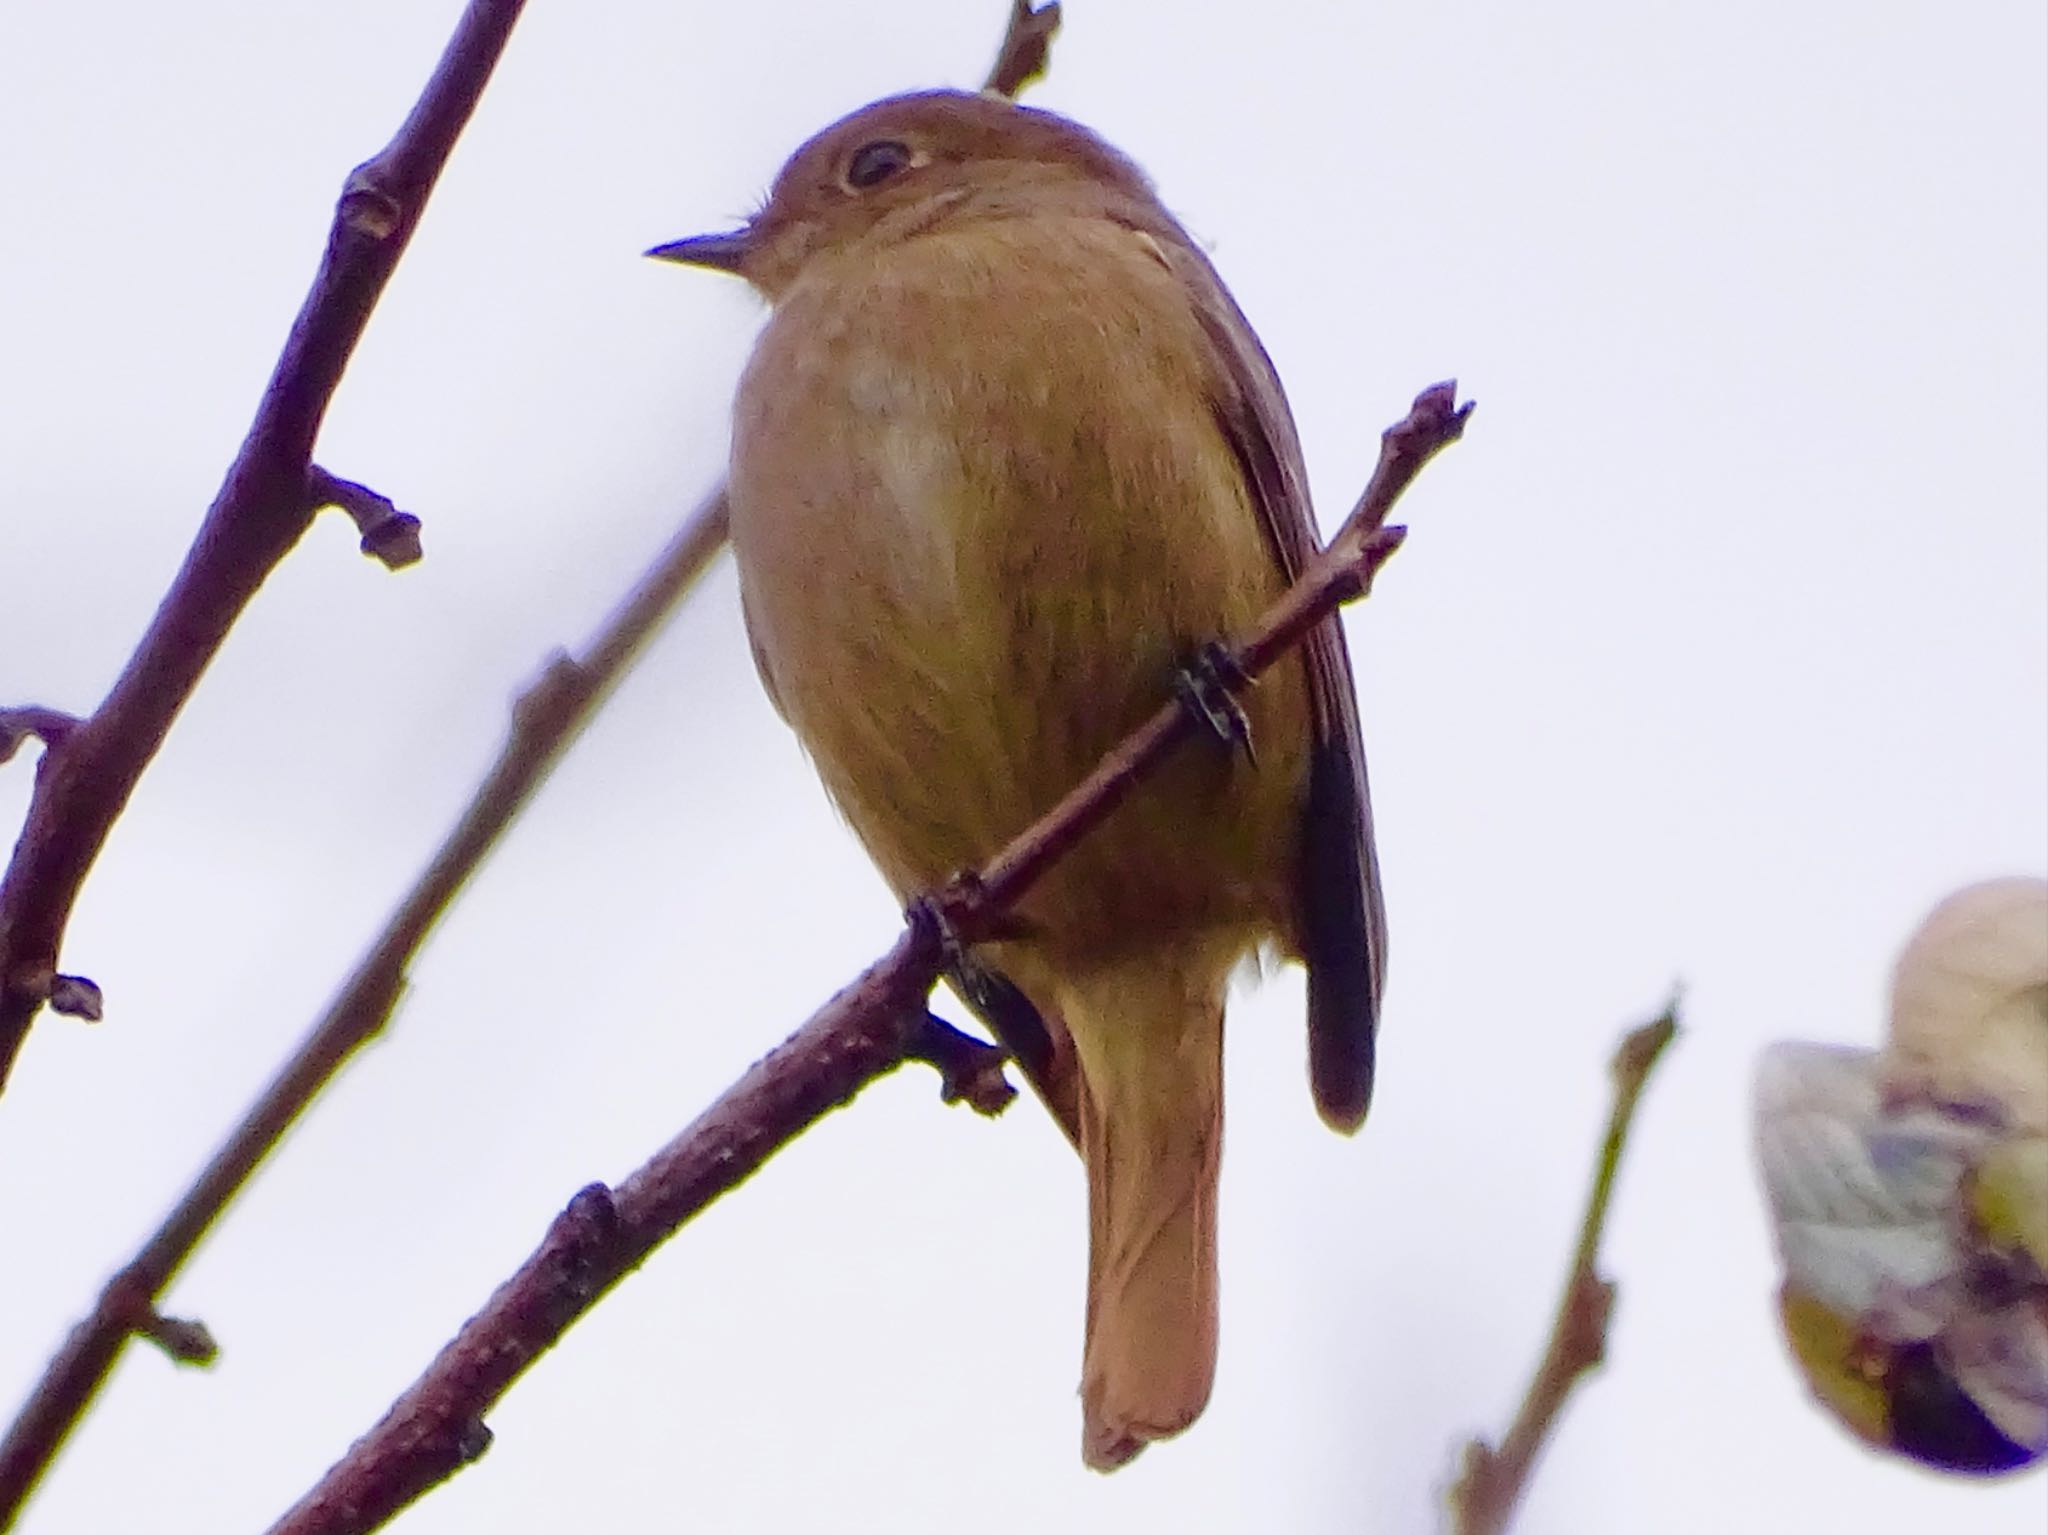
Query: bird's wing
[{"x": 1343, "y": 916}]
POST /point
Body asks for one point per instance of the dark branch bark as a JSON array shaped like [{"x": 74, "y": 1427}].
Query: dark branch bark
[
  {"x": 50, "y": 726},
  {"x": 388, "y": 534},
  {"x": 380, "y": 203},
  {"x": 545, "y": 721},
  {"x": 262, "y": 508},
  {"x": 1026, "y": 47},
  {"x": 89, "y": 769},
  {"x": 868, "y": 1029}
]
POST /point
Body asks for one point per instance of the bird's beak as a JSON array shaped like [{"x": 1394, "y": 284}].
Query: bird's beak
[{"x": 726, "y": 252}]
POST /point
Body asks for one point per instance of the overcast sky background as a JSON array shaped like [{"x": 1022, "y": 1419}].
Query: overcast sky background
[{"x": 1718, "y": 654}]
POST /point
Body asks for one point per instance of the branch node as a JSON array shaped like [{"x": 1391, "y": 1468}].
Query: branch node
[
  {"x": 50, "y": 726},
  {"x": 1478, "y": 1473},
  {"x": 1589, "y": 1309},
  {"x": 77, "y": 997},
  {"x": 1360, "y": 559},
  {"x": 366, "y": 208},
  {"x": 472, "y": 1438},
  {"x": 1638, "y": 1052},
  {"x": 1026, "y": 48},
  {"x": 584, "y": 1232},
  {"x": 563, "y": 687},
  {"x": 186, "y": 1341},
  {"x": 388, "y": 534},
  {"x": 970, "y": 1070},
  {"x": 1435, "y": 420}
]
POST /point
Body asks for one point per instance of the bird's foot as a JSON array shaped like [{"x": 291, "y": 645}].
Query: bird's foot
[{"x": 1207, "y": 684}]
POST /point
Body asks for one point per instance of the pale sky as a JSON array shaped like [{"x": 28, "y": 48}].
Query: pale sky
[{"x": 1718, "y": 653}]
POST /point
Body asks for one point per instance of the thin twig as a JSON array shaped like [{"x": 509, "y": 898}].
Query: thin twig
[
  {"x": 868, "y": 1029},
  {"x": 545, "y": 721},
  {"x": 970, "y": 1070},
  {"x": 1026, "y": 47},
  {"x": 1491, "y": 1480},
  {"x": 1344, "y": 572},
  {"x": 258, "y": 515},
  {"x": 388, "y": 534},
  {"x": 50, "y": 726}
]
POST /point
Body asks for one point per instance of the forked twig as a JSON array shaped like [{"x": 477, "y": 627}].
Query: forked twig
[{"x": 264, "y": 504}]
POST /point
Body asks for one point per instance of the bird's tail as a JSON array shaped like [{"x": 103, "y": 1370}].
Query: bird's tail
[{"x": 1150, "y": 1044}]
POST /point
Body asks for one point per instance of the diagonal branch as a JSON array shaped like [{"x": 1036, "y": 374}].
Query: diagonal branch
[
  {"x": 1491, "y": 1480},
  {"x": 545, "y": 722},
  {"x": 868, "y": 1029},
  {"x": 1344, "y": 572},
  {"x": 91, "y": 766},
  {"x": 262, "y": 508}
]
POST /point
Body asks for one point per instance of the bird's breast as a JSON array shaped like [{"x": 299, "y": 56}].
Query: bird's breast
[{"x": 982, "y": 508}]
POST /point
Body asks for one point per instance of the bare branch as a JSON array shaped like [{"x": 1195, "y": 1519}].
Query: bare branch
[
  {"x": 76, "y": 996},
  {"x": 545, "y": 721},
  {"x": 868, "y": 1029},
  {"x": 1026, "y": 48},
  {"x": 1345, "y": 571},
  {"x": 437, "y": 1427},
  {"x": 256, "y": 518},
  {"x": 970, "y": 1070},
  {"x": 185, "y": 1340},
  {"x": 388, "y": 534},
  {"x": 1491, "y": 1481},
  {"x": 17, "y": 725}
]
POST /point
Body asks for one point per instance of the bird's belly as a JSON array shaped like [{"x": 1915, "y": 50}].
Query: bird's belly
[{"x": 964, "y": 591}]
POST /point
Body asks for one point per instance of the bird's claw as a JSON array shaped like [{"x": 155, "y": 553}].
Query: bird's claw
[
  {"x": 933, "y": 912},
  {"x": 1206, "y": 685}
]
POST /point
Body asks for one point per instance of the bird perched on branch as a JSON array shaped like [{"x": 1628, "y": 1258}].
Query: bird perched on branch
[{"x": 1006, "y": 461}]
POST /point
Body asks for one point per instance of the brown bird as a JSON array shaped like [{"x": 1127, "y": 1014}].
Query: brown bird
[{"x": 1006, "y": 457}]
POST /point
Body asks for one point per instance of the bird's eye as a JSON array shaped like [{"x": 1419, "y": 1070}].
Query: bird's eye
[{"x": 873, "y": 164}]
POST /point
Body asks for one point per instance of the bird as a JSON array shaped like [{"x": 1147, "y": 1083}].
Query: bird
[{"x": 1007, "y": 462}]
